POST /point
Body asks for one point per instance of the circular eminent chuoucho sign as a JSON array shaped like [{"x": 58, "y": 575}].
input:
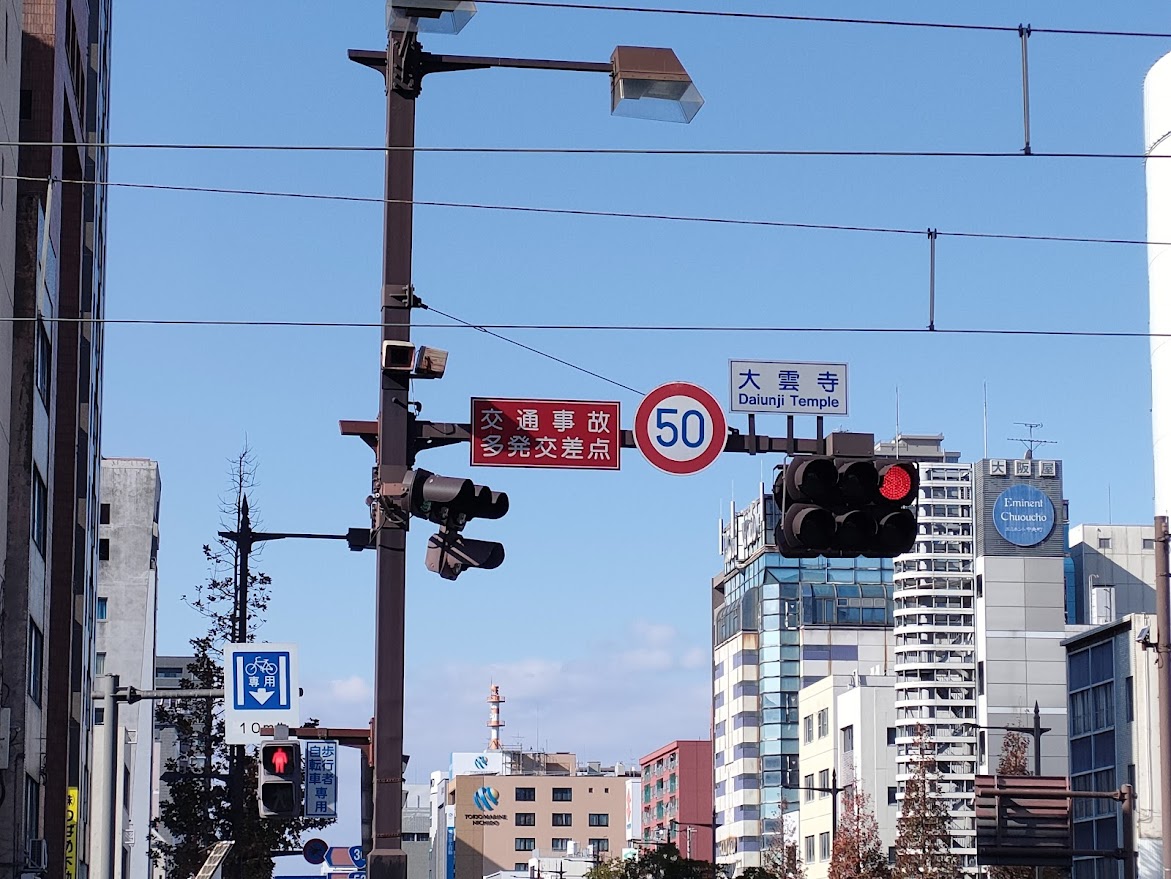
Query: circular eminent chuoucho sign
[{"x": 1023, "y": 515}]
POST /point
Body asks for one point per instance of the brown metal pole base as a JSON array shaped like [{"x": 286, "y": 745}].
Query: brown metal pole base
[{"x": 386, "y": 864}]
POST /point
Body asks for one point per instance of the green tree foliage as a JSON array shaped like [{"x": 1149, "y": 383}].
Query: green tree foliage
[
  {"x": 924, "y": 825},
  {"x": 858, "y": 851},
  {"x": 199, "y": 810},
  {"x": 654, "y": 862}
]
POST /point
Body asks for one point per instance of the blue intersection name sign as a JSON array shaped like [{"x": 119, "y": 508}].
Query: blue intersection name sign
[{"x": 260, "y": 684}]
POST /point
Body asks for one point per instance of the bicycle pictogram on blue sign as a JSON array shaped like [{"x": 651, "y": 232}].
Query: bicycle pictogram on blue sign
[{"x": 262, "y": 680}]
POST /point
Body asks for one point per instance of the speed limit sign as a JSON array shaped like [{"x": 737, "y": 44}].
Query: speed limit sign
[{"x": 680, "y": 428}]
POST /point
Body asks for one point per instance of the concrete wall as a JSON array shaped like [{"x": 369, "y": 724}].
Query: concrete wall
[
  {"x": 1117, "y": 562},
  {"x": 127, "y": 579}
]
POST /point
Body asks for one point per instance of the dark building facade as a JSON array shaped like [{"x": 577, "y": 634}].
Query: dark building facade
[{"x": 53, "y": 418}]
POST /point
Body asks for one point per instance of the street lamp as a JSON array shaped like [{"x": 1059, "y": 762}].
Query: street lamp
[{"x": 645, "y": 80}]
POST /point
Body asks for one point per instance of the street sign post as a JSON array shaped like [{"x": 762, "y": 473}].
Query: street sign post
[
  {"x": 320, "y": 780},
  {"x": 566, "y": 434},
  {"x": 680, "y": 428},
  {"x": 260, "y": 689},
  {"x": 784, "y": 388}
]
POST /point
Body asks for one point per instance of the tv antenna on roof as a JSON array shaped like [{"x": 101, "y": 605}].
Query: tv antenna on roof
[{"x": 1031, "y": 442}]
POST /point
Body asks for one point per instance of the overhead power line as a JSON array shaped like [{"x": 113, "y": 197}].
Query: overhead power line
[
  {"x": 825, "y": 19},
  {"x": 735, "y": 152},
  {"x": 628, "y": 215},
  {"x": 612, "y": 328}
]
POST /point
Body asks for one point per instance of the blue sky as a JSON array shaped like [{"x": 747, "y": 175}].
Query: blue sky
[{"x": 597, "y": 624}]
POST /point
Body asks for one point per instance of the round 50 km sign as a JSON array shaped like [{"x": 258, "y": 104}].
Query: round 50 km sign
[{"x": 680, "y": 428}]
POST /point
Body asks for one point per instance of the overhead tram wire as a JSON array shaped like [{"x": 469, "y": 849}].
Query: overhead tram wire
[
  {"x": 627, "y": 215},
  {"x": 734, "y": 152},
  {"x": 609, "y": 328},
  {"x": 823, "y": 19}
]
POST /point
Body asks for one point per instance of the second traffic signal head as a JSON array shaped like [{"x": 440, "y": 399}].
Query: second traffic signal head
[
  {"x": 846, "y": 507},
  {"x": 278, "y": 780},
  {"x": 450, "y": 500}
]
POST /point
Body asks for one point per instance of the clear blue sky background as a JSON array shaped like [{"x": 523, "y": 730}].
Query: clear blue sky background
[{"x": 596, "y": 627}]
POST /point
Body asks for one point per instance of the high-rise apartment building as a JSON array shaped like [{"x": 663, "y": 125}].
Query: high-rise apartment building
[
  {"x": 170, "y": 748},
  {"x": 677, "y": 797},
  {"x": 128, "y": 545},
  {"x": 935, "y": 631},
  {"x": 780, "y": 624},
  {"x": 51, "y": 416}
]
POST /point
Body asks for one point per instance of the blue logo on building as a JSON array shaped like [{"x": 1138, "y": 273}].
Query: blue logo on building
[
  {"x": 486, "y": 798},
  {"x": 481, "y": 762},
  {"x": 1023, "y": 515}
]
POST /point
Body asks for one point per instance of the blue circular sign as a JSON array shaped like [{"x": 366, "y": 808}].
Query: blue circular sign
[
  {"x": 1023, "y": 515},
  {"x": 315, "y": 850}
]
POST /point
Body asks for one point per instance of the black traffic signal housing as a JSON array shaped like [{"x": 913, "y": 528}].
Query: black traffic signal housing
[
  {"x": 451, "y": 502},
  {"x": 845, "y": 507},
  {"x": 279, "y": 791}
]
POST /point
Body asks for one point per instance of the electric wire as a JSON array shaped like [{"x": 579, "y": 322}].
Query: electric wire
[
  {"x": 608, "y": 328},
  {"x": 824, "y": 19},
  {"x": 738, "y": 152},
  {"x": 627, "y": 215},
  {"x": 537, "y": 351}
]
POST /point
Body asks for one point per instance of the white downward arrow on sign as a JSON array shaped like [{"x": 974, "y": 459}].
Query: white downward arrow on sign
[{"x": 261, "y": 695}]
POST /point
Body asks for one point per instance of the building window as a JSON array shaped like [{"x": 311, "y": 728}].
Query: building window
[
  {"x": 823, "y": 846},
  {"x": 524, "y": 844},
  {"x": 100, "y": 663},
  {"x": 99, "y": 715},
  {"x": 40, "y": 511},
  {"x": 823, "y": 783},
  {"x": 823, "y": 723},
  {"x": 892, "y": 796},
  {"x": 562, "y": 819},
  {"x": 26, "y": 104},
  {"x": 44, "y": 362},
  {"x": 810, "y": 851},
  {"x": 891, "y": 855},
  {"x": 560, "y": 843},
  {"x": 1148, "y": 544},
  {"x": 808, "y": 785},
  {"x": 519, "y": 867},
  {"x": 562, "y": 794},
  {"x": 1103, "y": 543},
  {"x": 600, "y": 845},
  {"x": 103, "y": 549},
  {"x": 103, "y": 514},
  {"x": 526, "y": 819},
  {"x": 847, "y": 739},
  {"x": 32, "y": 809},
  {"x": 169, "y": 671},
  {"x": 1130, "y": 699},
  {"x": 599, "y": 819},
  {"x": 891, "y": 735},
  {"x": 36, "y": 659},
  {"x": 809, "y": 728},
  {"x": 103, "y": 608}
]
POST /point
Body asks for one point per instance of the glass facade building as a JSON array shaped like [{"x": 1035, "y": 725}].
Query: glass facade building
[{"x": 778, "y": 624}]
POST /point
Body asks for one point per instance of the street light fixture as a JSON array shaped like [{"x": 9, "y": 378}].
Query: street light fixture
[
  {"x": 651, "y": 84},
  {"x": 429, "y": 16}
]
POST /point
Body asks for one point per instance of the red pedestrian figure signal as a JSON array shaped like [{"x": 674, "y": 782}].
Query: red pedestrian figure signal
[{"x": 280, "y": 759}]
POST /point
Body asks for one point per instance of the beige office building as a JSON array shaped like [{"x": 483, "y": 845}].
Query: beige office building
[{"x": 502, "y": 821}]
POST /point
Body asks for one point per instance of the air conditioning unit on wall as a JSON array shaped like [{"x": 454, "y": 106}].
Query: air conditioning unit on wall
[{"x": 36, "y": 855}]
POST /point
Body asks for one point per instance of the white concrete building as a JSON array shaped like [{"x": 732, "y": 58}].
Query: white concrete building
[
  {"x": 128, "y": 543},
  {"x": 1114, "y": 571},
  {"x": 847, "y": 738}
]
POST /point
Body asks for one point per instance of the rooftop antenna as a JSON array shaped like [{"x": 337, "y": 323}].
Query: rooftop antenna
[
  {"x": 985, "y": 419},
  {"x": 1032, "y": 442}
]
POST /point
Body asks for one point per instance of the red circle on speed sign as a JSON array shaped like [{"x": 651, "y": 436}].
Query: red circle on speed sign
[{"x": 680, "y": 428}]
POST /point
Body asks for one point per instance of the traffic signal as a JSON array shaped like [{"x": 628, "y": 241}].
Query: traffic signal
[
  {"x": 451, "y": 502},
  {"x": 278, "y": 782},
  {"x": 844, "y": 507}
]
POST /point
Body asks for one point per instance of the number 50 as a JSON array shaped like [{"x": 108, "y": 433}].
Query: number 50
[{"x": 689, "y": 427}]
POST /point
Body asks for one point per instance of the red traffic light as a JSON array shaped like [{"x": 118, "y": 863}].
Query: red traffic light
[
  {"x": 277, "y": 759},
  {"x": 899, "y": 482}
]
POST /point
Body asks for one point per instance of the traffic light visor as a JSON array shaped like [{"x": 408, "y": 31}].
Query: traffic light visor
[
  {"x": 811, "y": 480},
  {"x": 899, "y": 483}
]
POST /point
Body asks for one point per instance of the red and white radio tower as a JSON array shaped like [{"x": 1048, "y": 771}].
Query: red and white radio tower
[{"x": 494, "y": 721}]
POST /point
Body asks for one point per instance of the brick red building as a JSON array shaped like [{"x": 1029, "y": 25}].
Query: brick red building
[{"x": 677, "y": 797}]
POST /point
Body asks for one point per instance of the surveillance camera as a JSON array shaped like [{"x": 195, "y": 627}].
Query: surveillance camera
[{"x": 398, "y": 356}]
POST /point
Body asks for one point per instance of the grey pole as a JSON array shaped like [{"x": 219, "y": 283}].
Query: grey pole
[
  {"x": 106, "y": 773},
  {"x": 1163, "y": 672}
]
